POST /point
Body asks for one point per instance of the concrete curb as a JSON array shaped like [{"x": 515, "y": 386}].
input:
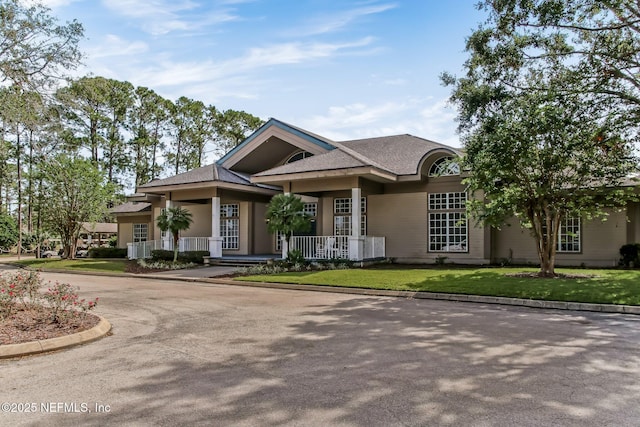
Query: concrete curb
[
  {"x": 553, "y": 305},
  {"x": 41, "y": 346}
]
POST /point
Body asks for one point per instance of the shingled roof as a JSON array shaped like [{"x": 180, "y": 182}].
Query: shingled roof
[
  {"x": 131, "y": 207},
  {"x": 398, "y": 154}
]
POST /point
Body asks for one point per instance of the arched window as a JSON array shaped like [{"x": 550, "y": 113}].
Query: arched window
[
  {"x": 444, "y": 166},
  {"x": 298, "y": 156}
]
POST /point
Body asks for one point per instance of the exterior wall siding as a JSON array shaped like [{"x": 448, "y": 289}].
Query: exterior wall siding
[
  {"x": 125, "y": 228},
  {"x": 600, "y": 243}
]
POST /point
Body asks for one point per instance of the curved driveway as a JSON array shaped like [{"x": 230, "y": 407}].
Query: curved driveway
[{"x": 194, "y": 354}]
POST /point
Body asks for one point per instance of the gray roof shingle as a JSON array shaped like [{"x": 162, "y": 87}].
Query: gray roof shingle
[
  {"x": 398, "y": 154},
  {"x": 131, "y": 207}
]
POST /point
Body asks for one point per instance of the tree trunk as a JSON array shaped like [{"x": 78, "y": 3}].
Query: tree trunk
[
  {"x": 19, "y": 172},
  {"x": 175, "y": 247}
]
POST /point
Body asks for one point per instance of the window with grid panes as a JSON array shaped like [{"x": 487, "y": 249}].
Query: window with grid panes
[
  {"x": 140, "y": 232},
  {"x": 342, "y": 216},
  {"x": 569, "y": 235},
  {"x": 448, "y": 230},
  {"x": 230, "y": 226}
]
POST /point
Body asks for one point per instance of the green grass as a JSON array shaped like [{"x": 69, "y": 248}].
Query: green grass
[
  {"x": 608, "y": 287},
  {"x": 117, "y": 266}
]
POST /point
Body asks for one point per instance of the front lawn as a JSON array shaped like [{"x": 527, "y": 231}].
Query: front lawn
[
  {"x": 117, "y": 266},
  {"x": 607, "y": 287}
]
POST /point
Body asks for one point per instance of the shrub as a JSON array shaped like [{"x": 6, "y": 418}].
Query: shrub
[
  {"x": 65, "y": 304},
  {"x": 196, "y": 257},
  {"x": 19, "y": 288},
  {"x": 165, "y": 265},
  {"x": 629, "y": 254},
  {"x": 108, "y": 252}
]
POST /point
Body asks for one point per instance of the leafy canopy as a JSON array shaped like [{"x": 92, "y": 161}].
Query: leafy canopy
[
  {"x": 285, "y": 214},
  {"x": 544, "y": 136}
]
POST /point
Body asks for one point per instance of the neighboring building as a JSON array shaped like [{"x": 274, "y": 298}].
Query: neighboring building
[
  {"x": 397, "y": 196},
  {"x": 96, "y": 234}
]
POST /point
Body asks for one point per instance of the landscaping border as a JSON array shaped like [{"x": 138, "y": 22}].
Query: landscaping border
[{"x": 42, "y": 346}]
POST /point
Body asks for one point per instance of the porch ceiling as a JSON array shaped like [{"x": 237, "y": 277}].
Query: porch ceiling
[{"x": 271, "y": 152}]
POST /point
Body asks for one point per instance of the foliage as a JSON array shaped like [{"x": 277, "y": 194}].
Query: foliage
[
  {"x": 295, "y": 256},
  {"x": 232, "y": 127},
  {"x": 22, "y": 290},
  {"x": 591, "y": 286},
  {"x": 630, "y": 254},
  {"x": 174, "y": 220},
  {"x": 65, "y": 303},
  {"x": 8, "y": 231},
  {"x": 538, "y": 145},
  {"x": 35, "y": 50},
  {"x": 110, "y": 252},
  {"x": 285, "y": 214},
  {"x": 165, "y": 264},
  {"x": 195, "y": 257},
  {"x": 80, "y": 194}
]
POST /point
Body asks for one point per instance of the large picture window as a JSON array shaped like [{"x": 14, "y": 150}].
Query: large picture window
[
  {"x": 342, "y": 216},
  {"x": 140, "y": 233},
  {"x": 448, "y": 230},
  {"x": 230, "y": 226}
]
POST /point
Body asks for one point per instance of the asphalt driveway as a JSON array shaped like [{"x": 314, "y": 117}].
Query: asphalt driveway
[{"x": 193, "y": 354}]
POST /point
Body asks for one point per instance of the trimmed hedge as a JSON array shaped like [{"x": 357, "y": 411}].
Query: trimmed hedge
[
  {"x": 108, "y": 252},
  {"x": 630, "y": 253},
  {"x": 188, "y": 256}
]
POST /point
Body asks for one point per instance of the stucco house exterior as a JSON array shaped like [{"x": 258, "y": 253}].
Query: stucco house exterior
[{"x": 398, "y": 197}]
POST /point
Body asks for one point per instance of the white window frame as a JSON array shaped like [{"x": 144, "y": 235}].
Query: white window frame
[
  {"x": 140, "y": 232},
  {"x": 570, "y": 236},
  {"x": 444, "y": 166},
  {"x": 448, "y": 227},
  {"x": 230, "y": 226},
  {"x": 342, "y": 216}
]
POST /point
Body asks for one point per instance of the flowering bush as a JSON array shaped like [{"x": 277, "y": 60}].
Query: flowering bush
[
  {"x": 65, "y": 303},
  {"x": 22, "y": 291},
  {"x": 19, "y": 288}
]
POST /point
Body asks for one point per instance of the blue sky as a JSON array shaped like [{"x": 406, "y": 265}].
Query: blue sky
[{"x": 340, "y": 68}]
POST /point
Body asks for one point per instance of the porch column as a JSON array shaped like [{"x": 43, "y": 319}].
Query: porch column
[
  {"x": 215, "y": 241},
  {"x": 356, "y": 241},
  {"x": 166, "y": 240}
]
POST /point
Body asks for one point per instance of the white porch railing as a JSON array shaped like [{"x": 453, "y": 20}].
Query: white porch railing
[
  {"x": 374, "y": 247},
  {"x": 193, "y": 244},
  {"x": 330, "y": 247},
  {"x": 321, "y": 247},
  {"x": 142, "y": 249}
]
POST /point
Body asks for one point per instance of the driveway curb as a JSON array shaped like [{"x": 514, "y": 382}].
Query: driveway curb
[
  {"x": 41, "y": 346},
  {"x": 553, "y": 305}
]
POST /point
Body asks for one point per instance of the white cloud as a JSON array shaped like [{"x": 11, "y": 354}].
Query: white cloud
[
  {"x": 162, "y": 71},
  {"x": 49, "y": 3},
  {"x": 328, "y": 23},
  {"x": 159, "y": 17},
  {"x": 425, "y": 118},
  {"x": 113, "y": 45}
]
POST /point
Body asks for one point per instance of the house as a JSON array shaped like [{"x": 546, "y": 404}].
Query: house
[
  {"x": 97, "y": 233},
  {"x": 397, "y": 197}
]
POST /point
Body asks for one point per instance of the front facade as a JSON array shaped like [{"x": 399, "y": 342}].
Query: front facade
[{"x": 398, "y": 197}]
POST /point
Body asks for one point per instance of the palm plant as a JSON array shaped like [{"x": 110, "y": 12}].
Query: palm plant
[
  {"x": 285, "y": 214},
  {"x": 174, "y": 220}
]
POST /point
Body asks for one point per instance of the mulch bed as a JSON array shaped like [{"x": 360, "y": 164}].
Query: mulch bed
[
  {"x": 32, "y": 325},
  {"x": 557, "y": 276},
  {"x": 134, "y": 267}
]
